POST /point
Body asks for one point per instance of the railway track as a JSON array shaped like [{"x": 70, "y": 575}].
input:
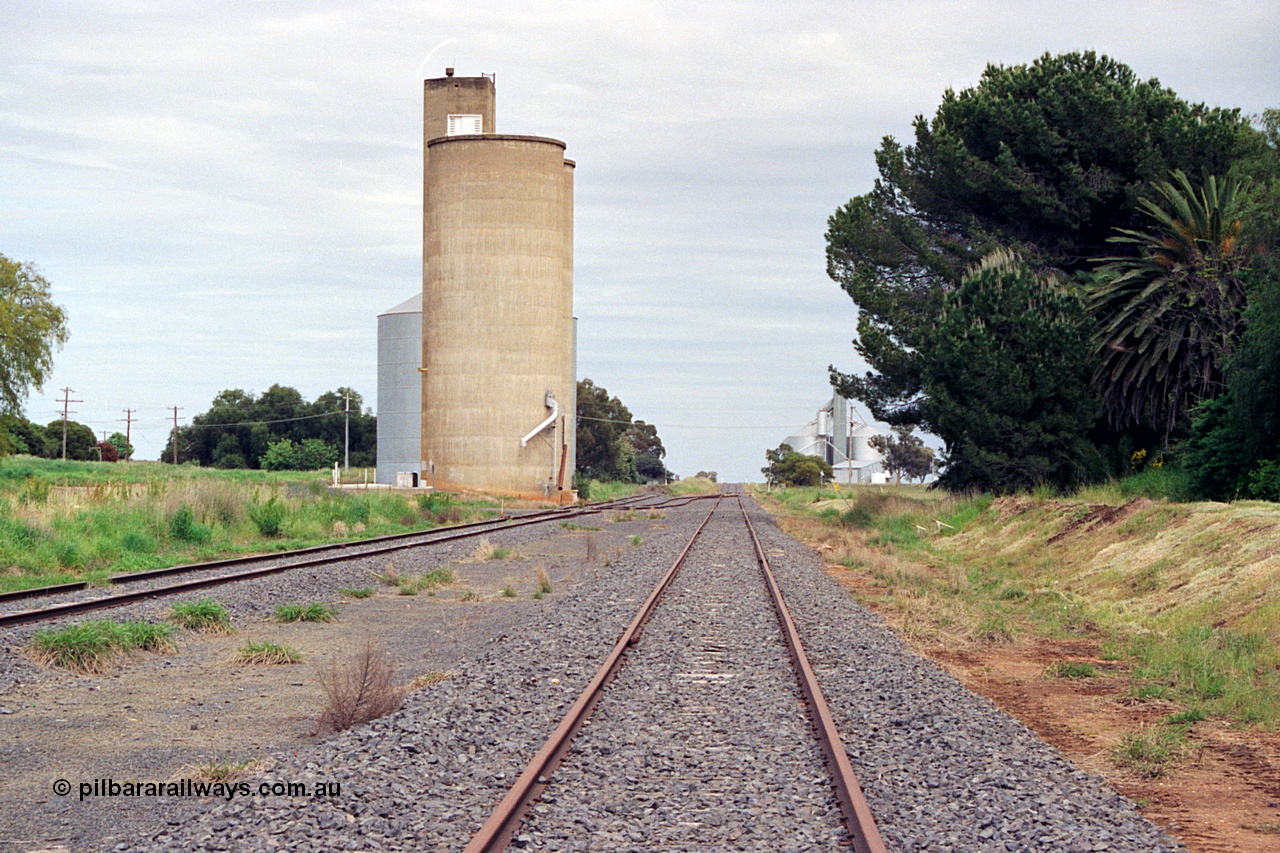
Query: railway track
[
  {"x": 244, "y": 568},
  {"x": 698, "y": 742}
]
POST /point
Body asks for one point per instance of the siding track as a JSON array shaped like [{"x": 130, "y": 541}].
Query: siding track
[{"x": 245, "y": 568}]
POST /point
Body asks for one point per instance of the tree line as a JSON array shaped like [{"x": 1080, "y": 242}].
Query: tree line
[
  {"x": 277, "y": 430},
  {"x": 1071, "y": 274}
]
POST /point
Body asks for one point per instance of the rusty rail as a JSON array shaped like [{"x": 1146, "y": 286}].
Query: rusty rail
[
  {"x": 507, "y": 817},
  {"x": 857, "y": 814}
]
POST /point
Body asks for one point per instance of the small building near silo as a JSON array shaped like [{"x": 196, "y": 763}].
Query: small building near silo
[{"x": 400, "y": 393}]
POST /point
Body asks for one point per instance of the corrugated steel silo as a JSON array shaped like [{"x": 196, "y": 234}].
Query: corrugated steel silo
[{"x": 400, "y": 390}]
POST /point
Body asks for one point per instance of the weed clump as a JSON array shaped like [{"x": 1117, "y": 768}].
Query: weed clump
[
  {"x": 268, "y": 517},
  {"x": 1070, "y": 669},
  {"x": 92, "y": 647},
  {"x": 357, "y": 592},
  {"x": 267, "y": 653},
  {"x": 226, "y": 771},
  {"x": 486, "y": 550},
  {"x": 1150, "y": 753},
  {"x": 207, "y": 616},
  {"x": 313, "y": 612},
  {"x": 183, "y": 527},
  {"x": 358, "y": 689}
]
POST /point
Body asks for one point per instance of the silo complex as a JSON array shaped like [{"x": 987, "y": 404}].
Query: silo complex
[{"x": 498, "y": 383}]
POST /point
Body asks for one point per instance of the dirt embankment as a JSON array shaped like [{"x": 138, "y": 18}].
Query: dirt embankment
[{"x": 1167, "y": 617}]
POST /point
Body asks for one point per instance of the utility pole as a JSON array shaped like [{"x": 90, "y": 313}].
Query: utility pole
[
  {"x": 176, "y": 409},
  {"x": 128, "y": 443},
  {"x": 346, "y": 433},
  {"x": 66, "y": 401}
]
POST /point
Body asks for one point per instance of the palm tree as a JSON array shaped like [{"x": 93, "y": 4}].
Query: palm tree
[{"x": 1169, "y": 317}]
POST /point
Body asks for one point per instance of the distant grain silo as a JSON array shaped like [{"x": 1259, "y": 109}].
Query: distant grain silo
[
  {"x": 400, "y": 393},
  {"x": 498, "y": 372}
]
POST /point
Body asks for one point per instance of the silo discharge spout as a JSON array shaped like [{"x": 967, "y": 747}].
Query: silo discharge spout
[{"x": 551, "y": 404}]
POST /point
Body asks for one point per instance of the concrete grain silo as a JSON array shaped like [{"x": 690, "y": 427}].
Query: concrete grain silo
[
  {"x": 400, "y": 393},
  {"x": 498, "y": 373}
]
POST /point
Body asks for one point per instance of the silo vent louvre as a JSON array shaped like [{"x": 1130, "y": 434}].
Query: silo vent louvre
[{"x": 466, "y": 125}]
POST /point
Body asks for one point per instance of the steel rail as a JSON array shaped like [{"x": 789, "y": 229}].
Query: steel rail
[
  {"x": 497, "y": 832},
  {"x": 56, "y": 611},
  {"x": 500, "y": 523},
  {"x": 857, "y": 813}
]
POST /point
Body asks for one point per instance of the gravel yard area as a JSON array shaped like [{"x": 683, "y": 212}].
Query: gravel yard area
[{"x": 154, "y": 717}]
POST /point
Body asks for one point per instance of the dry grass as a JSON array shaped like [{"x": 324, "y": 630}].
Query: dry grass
[
  {"x": 266, "y": 653},
  {"x": 486, "y": 550},
  {"x": 224, "y": 771},
  {"x": 427, "y": 679},
  {"x": 389, "y": 576},
  {"x": 593, "y": 547},
  {"x": 358, "y": 688}
]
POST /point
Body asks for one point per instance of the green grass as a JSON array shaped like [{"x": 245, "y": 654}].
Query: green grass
[
  {"x": 356, "y": 592},
  {"x": 508, "y": 591},
  {"x": 600, "y": 491},
  {"x": 1151, "y": 753},
  {"x": 569, "y": 525},
  {"x": 61, "y": 522},
  {"x": 314, "y": 612},
  {"x": 94, "y": 646},
  {"x": 206, "y": 615},
  {"x": 1071, "y": 669},
  {"x": 266, "y": 653}
]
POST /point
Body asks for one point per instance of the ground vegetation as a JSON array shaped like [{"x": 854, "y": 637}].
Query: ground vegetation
[{"x": 61, "y": 522}]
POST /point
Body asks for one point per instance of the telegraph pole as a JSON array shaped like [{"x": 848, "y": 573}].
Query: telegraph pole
[
  {"x": 66, "y": 401},
  {"x": 128, "y": 443},
  {"x": 346, "y": 434},
  {"x": 176, "y": 409}
]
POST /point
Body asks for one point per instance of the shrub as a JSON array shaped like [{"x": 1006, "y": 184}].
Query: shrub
[
  {"x": 268, "y": 517},
  {"x": 184, "y": 527},
  {"x": 358, "y": 689}
]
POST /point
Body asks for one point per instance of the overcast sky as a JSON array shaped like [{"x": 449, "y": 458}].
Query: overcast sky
[{"x": 225, "y": 195}]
